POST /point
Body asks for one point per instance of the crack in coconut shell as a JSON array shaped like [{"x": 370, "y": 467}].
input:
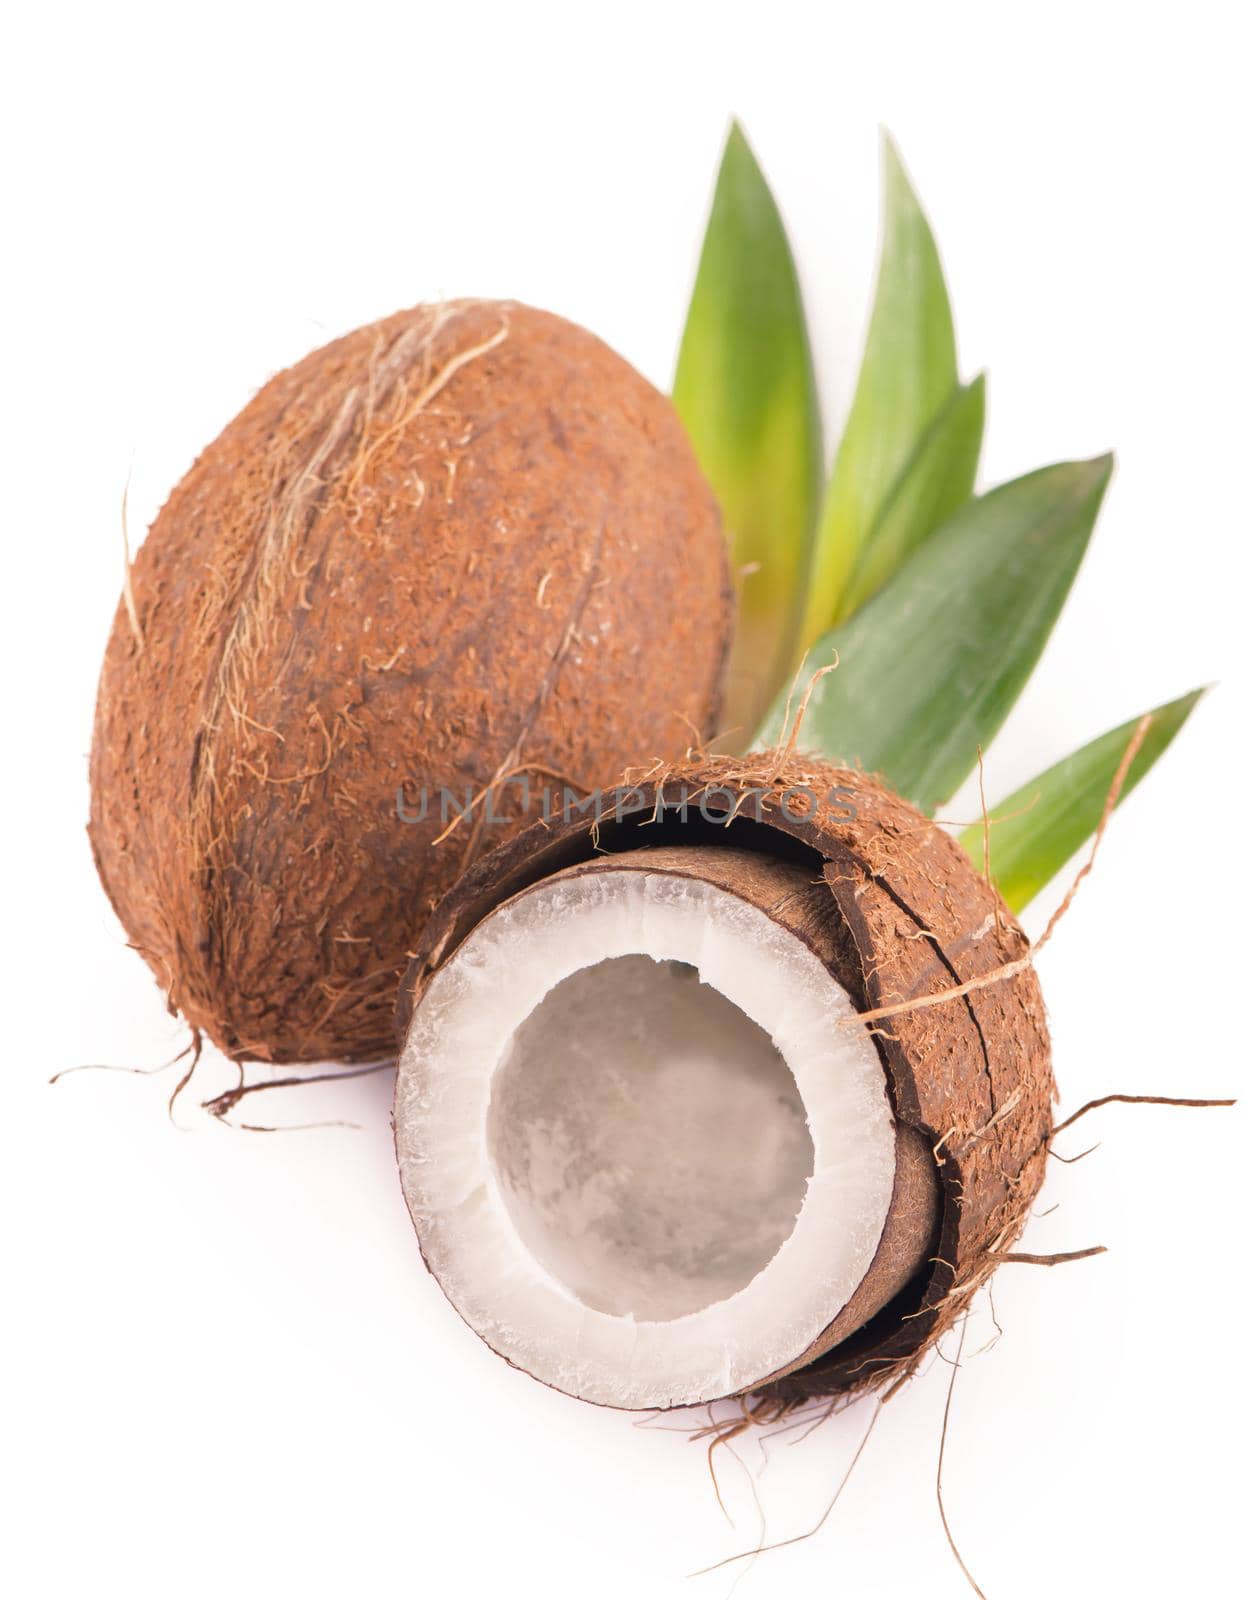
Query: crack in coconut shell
[
  {"x": 338, "y": 600},
  {"x": 910, "y": 916}
]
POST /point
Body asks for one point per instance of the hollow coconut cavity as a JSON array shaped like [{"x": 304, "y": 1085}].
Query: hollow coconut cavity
[
  {"x": 652, "y": 1157},
  {"x": 644, "y": 1163}
]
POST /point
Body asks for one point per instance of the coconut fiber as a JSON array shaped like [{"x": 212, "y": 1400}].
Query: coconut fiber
[{"x": 465, "y": 544}]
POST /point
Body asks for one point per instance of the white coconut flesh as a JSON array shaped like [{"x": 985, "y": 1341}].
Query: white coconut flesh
[{"x": 643, "y": 1160}]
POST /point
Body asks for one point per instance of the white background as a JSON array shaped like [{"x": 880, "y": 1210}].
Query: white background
[{"x": 229, "y": 1372}]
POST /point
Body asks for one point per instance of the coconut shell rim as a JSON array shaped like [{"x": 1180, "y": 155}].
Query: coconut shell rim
[{"x": 889, "y": 1350}]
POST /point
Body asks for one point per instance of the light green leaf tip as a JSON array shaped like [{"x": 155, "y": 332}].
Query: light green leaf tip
[
  {"x": 908, "y": 374},
  {"x": 938, "y": 480},
  {"x": 1043, "y": 824},
  {"x": 746, "y": 392},
  {"x": 929, "y": 668}
]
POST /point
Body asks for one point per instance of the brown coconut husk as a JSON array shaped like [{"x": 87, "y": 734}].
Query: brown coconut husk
[
  {"x": 898, "y": 912},
  {"x": 463, "y": 544}
]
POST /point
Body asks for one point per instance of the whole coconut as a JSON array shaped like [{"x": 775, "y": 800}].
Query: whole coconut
[{"x": 466, "y": 544}]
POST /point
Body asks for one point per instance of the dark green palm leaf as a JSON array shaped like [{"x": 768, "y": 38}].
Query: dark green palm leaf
[{"x": 929, "y": 668}]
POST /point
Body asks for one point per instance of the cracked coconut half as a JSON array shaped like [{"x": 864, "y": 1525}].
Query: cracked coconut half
[{"x": 653, "y": 1154}]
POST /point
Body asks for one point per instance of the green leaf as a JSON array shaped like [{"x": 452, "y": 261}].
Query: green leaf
[
  {"x": 746, "y": 392},
  {"x": 931, "y": 666},
  {"x": 1040, "y": 827},
  {"x": 938, "y": 480},
  {"x": 907, "y": 375}
]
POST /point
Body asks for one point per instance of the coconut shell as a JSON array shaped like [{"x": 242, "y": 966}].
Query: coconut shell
[
  {"x": 897, "y": 910},
  {"x": 784, "y": 892},
  {"x": 463, "y": 544}
]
